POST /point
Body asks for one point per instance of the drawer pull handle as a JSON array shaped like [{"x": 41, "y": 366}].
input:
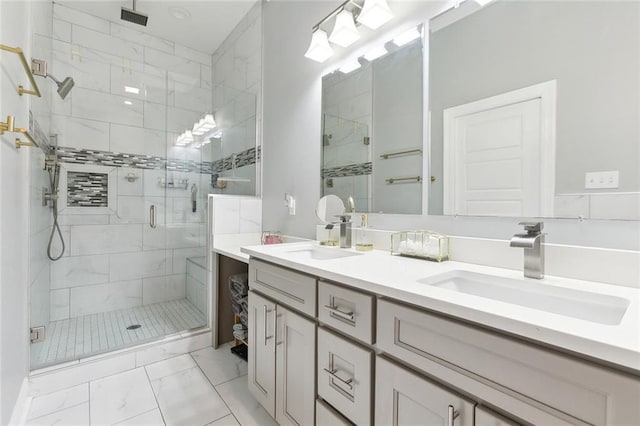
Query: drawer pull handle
[
  {"x": 333, "y": 374},
  {"x": 452, "y": 415},
  {"x": 346, "y": 315}
]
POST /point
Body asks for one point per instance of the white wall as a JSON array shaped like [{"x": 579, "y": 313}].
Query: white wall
[
  {"x": 292, "y": 134},
  {"x": 14, "y": 206}
]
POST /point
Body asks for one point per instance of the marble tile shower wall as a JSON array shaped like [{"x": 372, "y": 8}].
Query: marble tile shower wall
[
  {"x": 237, "y": 97},
  {"x": 116, "y": 261}
]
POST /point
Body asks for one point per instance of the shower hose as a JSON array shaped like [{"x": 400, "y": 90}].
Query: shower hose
[{"x": 54, "y": 172}]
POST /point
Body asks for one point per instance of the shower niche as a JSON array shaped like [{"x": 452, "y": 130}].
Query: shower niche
[{"x": 87, "y": 189}]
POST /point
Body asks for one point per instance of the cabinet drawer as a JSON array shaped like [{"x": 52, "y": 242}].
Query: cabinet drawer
[
  {"x": 552, "y": 384},
  {"x": 346, "y": 310},
  {"x": 290, "y": 288},
  {"x": 327, "y": 416},
  {"x": 344, "y": 376},
  {"x": 405, "y": 398}
]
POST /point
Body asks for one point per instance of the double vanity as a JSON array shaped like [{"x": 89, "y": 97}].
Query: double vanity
[{"x": 339, "y": 337}]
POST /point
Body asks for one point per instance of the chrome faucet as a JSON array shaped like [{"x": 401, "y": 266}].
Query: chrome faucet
[
  {"x": 533, "y": 244},
  {"x": 345, "y": 230}
]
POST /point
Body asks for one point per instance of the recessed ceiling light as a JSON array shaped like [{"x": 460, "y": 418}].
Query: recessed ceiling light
[
  {"x": 179, "y": 13},
  {"x": 128, "y": 103},
  {"x": 131, "y": 89}
]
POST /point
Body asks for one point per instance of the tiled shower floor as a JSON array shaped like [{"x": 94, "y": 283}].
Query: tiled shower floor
[{"x": 87, "y": 335}]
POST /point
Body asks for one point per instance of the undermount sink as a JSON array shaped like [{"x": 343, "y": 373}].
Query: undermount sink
[
  {"x": 320, "y": 253},
  {"x": 598, "y": 308}
]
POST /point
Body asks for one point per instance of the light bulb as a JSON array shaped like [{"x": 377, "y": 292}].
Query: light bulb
[
  {"x": 344, "y": 32},
  {"x": 319, "y": 50}
]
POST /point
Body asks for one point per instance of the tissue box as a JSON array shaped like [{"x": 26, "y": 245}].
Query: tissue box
[{"x": 421, "y": 244}]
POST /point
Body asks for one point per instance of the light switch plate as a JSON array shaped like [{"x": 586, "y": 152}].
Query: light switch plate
[{"x": 601, "y": 180}]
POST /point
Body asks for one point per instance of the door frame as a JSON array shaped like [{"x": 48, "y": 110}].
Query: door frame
[{"x": 546, "y": 92}]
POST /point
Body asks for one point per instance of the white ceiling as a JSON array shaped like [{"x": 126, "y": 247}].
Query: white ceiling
[{"x": 210, "y": 21}]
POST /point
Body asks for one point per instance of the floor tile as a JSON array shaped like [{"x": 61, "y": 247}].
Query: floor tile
[
  {"x": 150, "y": 418},
  {"x": 242, "y": 404},
  {"x": 170, "y": 366},
  {"x": 225, "y": 421},
  {"x": 81, "y": 373},
  {"x": 57, "y": 401},
  {"x": 77, "y": 415},
  {"x": 77, "y": 337},
  {"x": 120, "y": 397},
  {"x": 220, "y": 365},
  {"x": 187, "y": 398}
]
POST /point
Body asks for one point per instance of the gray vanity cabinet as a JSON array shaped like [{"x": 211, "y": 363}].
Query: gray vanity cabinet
[
  {"x": 531, "y": 383},
  {"x": 405, "y": 398},
  {"x": 295, "y": 363},
  {"x": 262, "y": 351},
  {"x": 282, "y": 343}
]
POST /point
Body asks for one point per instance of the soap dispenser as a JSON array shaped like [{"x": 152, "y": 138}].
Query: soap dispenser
[{"x": 363, "y": 237}]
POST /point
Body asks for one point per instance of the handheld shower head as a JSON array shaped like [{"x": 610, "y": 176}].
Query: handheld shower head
[{"x": 64, "y": 87}]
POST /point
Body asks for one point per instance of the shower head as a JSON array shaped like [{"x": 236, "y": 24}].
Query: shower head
[
  {"x": 133, "y": 16},
  {"x": 64, "y": 86}
]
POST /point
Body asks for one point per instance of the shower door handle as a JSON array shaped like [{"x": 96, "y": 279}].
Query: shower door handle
[{"x": 152, "y": 217}]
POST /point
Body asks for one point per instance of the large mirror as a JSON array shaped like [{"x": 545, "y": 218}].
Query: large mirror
[
  {"x": 534, "y": 109},
  {"x": 372, "y": 139}
]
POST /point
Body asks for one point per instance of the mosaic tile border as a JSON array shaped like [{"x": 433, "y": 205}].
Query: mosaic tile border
[
  {"x": 348, "y": 170},
  {"x": 148, "y": 162},
  {"x": 87, "y": 189}
]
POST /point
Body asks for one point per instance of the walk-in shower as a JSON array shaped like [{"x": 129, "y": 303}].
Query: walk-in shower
[{"x": 118, "y": 253}]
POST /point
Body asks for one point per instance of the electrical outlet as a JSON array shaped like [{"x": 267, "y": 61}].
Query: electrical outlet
[{"x": 601, "y": 180}]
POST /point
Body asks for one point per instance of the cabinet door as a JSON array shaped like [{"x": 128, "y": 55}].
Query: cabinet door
[
  {"x": 486, "y": 417},
  {"x": 262, "y": 354},
  {"x": 295, "y": 369},
  {"x": 404, "y": 398}
]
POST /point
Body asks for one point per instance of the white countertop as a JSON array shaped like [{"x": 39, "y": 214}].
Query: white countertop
[{"x": 397, "y": 277}]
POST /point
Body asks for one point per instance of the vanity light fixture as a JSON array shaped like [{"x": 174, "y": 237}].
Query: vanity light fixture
[
  {"x": 344, "y": 32},
  {"x": 350, "y": 14},
  {"x": 406, "y": 37},
  {"x": 319, "y": 50},
  {"x": 349, "y": 66},
  {"x": 131, "y": 89},
  {"x": 205, "y": 125},
  {"x": 185, "y": 138},
  {"x": 375, "y": 53},
  {"x": 128, "y": 103},
  {"x": 375, "y": 13}
]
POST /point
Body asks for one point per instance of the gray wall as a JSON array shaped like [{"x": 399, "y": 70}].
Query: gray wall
[
  {"x": 590, "y": 48},
  {"x": 291, "y": 140}
]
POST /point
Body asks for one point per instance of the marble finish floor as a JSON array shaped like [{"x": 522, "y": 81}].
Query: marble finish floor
[
  {"x": 204, "y": 387},
  {"x": 88, "y": 335}
]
